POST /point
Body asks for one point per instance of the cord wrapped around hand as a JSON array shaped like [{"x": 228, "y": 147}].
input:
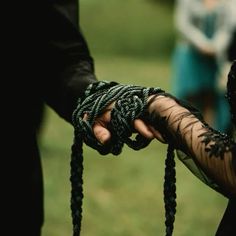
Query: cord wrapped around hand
[{"x": 130, "y": 104}]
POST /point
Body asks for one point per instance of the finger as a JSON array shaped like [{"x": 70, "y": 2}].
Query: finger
[
  {"x": 143, "y": 129},
  {"x": 85, "y": 117},
  {"x": 157, "y": 134},
  {"x": 105, "y": 117},
  {"x": 101, "y": 133}
]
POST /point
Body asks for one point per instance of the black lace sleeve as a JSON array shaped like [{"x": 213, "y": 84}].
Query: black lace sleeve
[{"x": 209, "y": 154}]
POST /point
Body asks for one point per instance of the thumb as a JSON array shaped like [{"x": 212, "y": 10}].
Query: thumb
[{"x": 101, "y": 133}]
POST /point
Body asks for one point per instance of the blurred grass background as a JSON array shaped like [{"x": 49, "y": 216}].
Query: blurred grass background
[{"x": 131, "y": 42}]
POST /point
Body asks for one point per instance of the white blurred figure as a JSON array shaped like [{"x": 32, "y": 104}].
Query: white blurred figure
[{"x": 204, "y": 30}]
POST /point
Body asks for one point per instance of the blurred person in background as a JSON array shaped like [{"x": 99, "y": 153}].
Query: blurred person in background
[{"x": 204, "y": 32}]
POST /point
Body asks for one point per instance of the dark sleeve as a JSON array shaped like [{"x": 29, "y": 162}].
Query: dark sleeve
[
  {"x": 69, "y": 66},
  {"x": 227, "y": 224}
]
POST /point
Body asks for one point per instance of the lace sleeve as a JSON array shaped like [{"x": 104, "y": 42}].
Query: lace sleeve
[{"x": 209, "y": 154}]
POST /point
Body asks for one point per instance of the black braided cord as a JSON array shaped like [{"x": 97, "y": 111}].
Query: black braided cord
[
  {"x": 130, "y": 103},
  {"x": 170, "y": 190}
]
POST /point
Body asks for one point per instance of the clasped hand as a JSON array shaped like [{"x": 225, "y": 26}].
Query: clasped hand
[{"x": 103, "y": 134}]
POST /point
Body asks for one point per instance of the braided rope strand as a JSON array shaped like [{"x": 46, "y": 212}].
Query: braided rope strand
[
  {"x": 77, "y": 185},
  {"x": 170, "y": 190}
]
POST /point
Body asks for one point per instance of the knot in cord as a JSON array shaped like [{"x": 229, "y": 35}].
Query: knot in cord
[{"x": 130, "y": 103}]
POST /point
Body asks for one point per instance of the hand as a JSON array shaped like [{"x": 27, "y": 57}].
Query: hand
[
  {"x": 103, "y": 134},
  {"x": 208, "y": 51}
]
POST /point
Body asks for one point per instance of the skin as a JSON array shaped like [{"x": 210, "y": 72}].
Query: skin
[{"x": 103, "y": 134}]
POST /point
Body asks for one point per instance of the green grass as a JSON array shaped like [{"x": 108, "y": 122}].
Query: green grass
[
  {"x": 124, "y": 194},
  {"x": 139, "y": 28}
]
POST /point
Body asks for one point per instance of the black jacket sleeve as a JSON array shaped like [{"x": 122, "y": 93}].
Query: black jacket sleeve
[{"x": 69, "y": 68}]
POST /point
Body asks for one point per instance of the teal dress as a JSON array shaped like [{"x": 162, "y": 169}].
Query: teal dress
[{"x": 195, "y": 73}]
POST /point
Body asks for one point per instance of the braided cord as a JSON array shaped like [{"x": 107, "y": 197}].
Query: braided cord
[
  {"x": 76, "y": 184},
  {"x": 130, "y": 104},
  {"x": 170, "y": 190}
]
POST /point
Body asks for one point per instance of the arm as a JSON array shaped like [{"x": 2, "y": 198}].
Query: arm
[
  {"x": 69, "y": 65},
  {"x": 213, "y": 153}
]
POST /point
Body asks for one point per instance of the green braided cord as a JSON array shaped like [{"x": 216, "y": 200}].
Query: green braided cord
[{"x": 130, "y": 103}]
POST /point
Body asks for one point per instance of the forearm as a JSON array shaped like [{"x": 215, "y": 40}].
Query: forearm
[{"x": 213, "y": 152}]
